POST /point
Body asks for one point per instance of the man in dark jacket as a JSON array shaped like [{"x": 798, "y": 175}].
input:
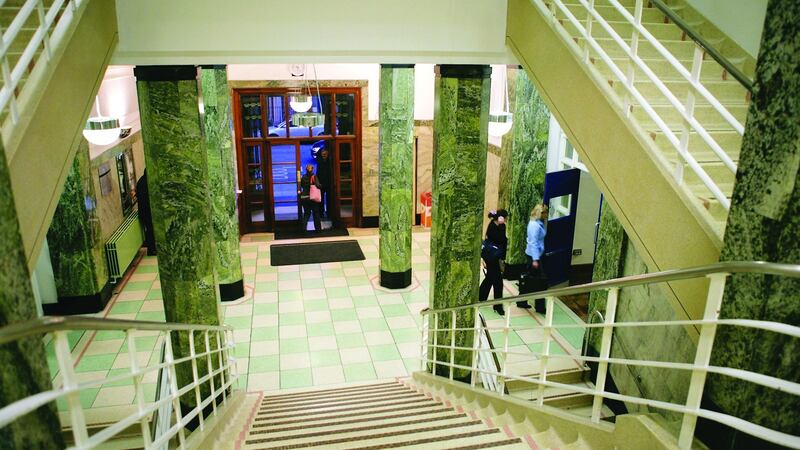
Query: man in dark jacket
[
  {"x": 145, "y": 218},
  {"x": 324, "y": 177}
]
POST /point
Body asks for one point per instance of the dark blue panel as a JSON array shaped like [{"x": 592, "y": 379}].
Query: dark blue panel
[
  {"x": 560, "y": 231},
  {"x": 283, "y": 153},
  {"x": 284, "y": 192}
]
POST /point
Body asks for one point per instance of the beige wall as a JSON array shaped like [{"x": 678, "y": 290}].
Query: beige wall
[{"x": 109, "y": 207}]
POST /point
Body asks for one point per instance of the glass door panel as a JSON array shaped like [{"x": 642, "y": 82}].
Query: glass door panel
[
  {"x": 255, "y": 184},
  {"x": 251, "y": 116},
  {"x": 284, "y": 181},
  {"x": 345, "y": 114},
  {"x": 344, "y": 182},
  {"x": 276, "y": 115}
]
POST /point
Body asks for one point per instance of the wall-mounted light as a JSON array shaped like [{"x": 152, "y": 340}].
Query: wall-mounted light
[
  {"x": 500, "y": 122},
  {"x": 101, "y": 130}
]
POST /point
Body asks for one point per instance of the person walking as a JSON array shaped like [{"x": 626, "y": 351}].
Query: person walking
[
  {"x": 493, "y": 250},
  {"x": 324, "y": 177},
  {"x": 310, "y": 207},
  {"x": 535, "y": 249}
]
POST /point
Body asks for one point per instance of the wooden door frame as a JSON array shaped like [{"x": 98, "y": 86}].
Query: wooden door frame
[{"x": 264, "y": 141}]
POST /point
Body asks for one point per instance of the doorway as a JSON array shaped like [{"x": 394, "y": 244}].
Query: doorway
[{"x": 274, "y": 147}]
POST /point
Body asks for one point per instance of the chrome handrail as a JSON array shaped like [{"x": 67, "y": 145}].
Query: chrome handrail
[
  {"x": 764, "y": 267},
  {"x": 47, "y": 324},
  {"x": 707, "y": 47}
]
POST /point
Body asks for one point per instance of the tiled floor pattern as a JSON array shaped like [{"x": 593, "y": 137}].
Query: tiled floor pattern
[{"x": 309, "y": 325}]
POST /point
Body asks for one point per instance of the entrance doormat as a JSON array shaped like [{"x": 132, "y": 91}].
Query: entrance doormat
[
  {"x": 314, "y": 253},
  {"x": 294, "y": 233}
]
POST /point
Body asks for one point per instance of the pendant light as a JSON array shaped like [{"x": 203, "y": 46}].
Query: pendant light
[{"x": 101, "y": 130}]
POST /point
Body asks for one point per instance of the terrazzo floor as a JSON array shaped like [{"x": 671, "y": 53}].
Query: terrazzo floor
[{"x": 298, "y": 326}]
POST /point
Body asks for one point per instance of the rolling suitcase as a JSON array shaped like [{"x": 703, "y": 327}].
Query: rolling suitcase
[{"x": 533, "y": 282}]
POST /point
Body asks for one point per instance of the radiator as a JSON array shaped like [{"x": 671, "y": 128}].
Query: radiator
[{"x": 123, "y": 246}]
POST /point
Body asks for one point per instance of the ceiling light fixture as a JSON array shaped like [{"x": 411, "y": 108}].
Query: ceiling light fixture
[{"x": 101, "y": 130}]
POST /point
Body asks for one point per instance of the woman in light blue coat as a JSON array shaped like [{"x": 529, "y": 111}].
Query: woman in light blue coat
[{"x": 535, "y": 249}]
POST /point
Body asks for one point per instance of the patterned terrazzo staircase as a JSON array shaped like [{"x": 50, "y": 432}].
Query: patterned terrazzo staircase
[{"x": 401, "y": 414}]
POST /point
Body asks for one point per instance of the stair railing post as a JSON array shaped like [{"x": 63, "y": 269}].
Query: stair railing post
[
  {"x": 476, "y": 343},
  {"x": 45, "y": 29},
  {"x": 697, "y": 65},
  {"x": 210, "y": 369},
  {"x": 705, "y": 343},
  {"x": 196, "y": 379},
  {"x": 69, "y": 381},
  {"x": 505, "y": 348},
  {"x": 233, "y": 369},
  {"x": 547, "y": 333},
  {"x": 435, "y": 342},
  {"x": 137, "y": 384},
  {"x": 423, "y": 343},
  {"x": 452, "y": 342},
  {"x": 629, "y": 79},
  {"x": 169, "y": 359},
  {"x": 8, "y": 84},
  {"x": 589, "y": 36},
  {"x": 605, "y": 351},
  {"x": 224, "y": 363}
]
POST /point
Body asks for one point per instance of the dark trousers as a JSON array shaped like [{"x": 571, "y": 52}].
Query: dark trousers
[
  {"x": 493, "y": 279},
  {"x": 325, "y": 206},
  {"x": 310, "y": 208},
  {"x": 539, "y": 303}
]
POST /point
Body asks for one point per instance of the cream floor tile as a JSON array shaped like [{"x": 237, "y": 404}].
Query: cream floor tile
[
  {"x": 148, "y": 261},
  {"x": 317, "y": 343},
  {"x": 318, "y": 317},
  {"x": 415, "y": 308},
  {"x": 295, "y": 361},
  {"x": 390, "y": 369},
  {"x": 267, "y": 277},
  {"x": 242, "y": 364},
  {"x": 409, "y": 349},
  {"x": 126, "y": 316},
  {"x": 370, "y": 263},
  {"x": 423, "y": 275},
  {"x": 354, "y": 355},
  {"x": 328, "y": 375},
  {"x": 290, "y": 307},
  {"x": 284, "y": 269},
  {"x": 310, "y": 274},
  {"x": 369, "y": 312},
  {"x": 123, "y": 361},
  {"x": 265, "y": 381},
  {"x": 390, "y": 299},
  {"x": 241, "y": 335},
  {"x": 150, "y": 377},
  {"x": 401, "y": 322},
  {"x": 248, "y": 270},
  {"x": 266, "y": 320},
  {"x": 286, "y": 285},
  {"x": 249, "y": 254},
  {"x": 419, "y": 259},
  {"x": 360, "y": 291},
  {"x": 330, "y": 265},
  {"x": 313, "y": 294},
  {"x": 156, "y": 285},
  {"x": 144, "y": 276},
  {"x": 131, "y": 296},
  {"x": 265, "y": 297},
  {"x": 530, "y": 336},
  {"x": 112, "y": 396},
  {"x": 152, "y": 305},
  {"x": 348, "y": 326},
  {"x": 292, "y": 331},
  {"x": 340, "y": 303},
  {"x": 264, "y": 348},
  {"x": 378, "y": 337},
  {"x": 355, "y": 272},
  {"x": 335, "y": 282},
  {"x": 104, "y": 347}
]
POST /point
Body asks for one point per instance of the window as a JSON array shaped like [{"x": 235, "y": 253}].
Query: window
[{"x": 127, "y": 181}]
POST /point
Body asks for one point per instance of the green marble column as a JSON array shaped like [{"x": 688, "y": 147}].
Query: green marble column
[
  {"x": 225, "y": 224},
  {"x": 77, "y": 250},
  {"x": 460, "y": 142},
  {"x": 528, "y": 164},
  {"x": 764, "y": 224},
  {"x": 177, "y": 179},
  {"x": 23, "y": 366},
  {"x": 396, "y": 173}
]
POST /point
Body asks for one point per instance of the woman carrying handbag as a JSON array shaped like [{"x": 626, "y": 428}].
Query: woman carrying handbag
[
  {"x": 493, "y": 250},
  {"x": 310, "y": 198}
]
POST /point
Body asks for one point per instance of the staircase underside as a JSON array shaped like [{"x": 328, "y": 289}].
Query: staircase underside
[
  {"x": 41, "y": 147},
  {"x": 660, "y": 217}
]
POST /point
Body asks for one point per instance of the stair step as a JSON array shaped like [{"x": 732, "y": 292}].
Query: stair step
[
  {"x": 730, "y": 141},
  {"x": 567, "y": 376},
  {"x": 313, "y": 393},
  {"x": 624, "y": 29},
  {"x": 706, "y": 115},
  {"x": 415, "y": 400},
  {"x": 710, "y": 71},
  {"x": 649, "y": 15},
  {"x": 681, "y": 50},
  {"x": 557, "y": 397},
  {"x": 726, "y": 92}
]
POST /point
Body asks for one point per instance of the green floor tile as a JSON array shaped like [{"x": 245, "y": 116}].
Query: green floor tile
[
  {"x": 152, "y": 316},
  {"x": 296, "y": 378},
  {"x": 150, "y": 268},
  {"x": 154, "y": 294},
  {"x": 555, "y": 349},
  {"x": 373, "y": 325},
  {"x": 137, "y": 286},
  {"x": 337, "y": 292},
  {"x": 359, "y": 372},
  {"x": 107, "y": 335},
  {"x": 73, "y": 337},
  {"x": 248, "y": 263},
  {"x": 126, "y": 307},
  {"x": 325, "y": 358},
  {"x": 239, "y": 323},
  {"x": 242, "y": 350},
  {"x": 384, "y": 352},
  {"x": 315, "y": 305},
  {"x": 290, "y": 296},
  {"x": 357, "y": 281},
  {"x": 513, "y": 339},
  {"x": 260, "y": 364},
  {"x": 404, "y": 335},
  {"x": 116, "y": 372},
  {"x": 264, "y": 334},
  {"x": 94, "y": 363},
  {"x": 332, "y": 273},
  {"x": 288, "y": 276},
  {"x": 149, "y": 391},
  {"x": 412, "y": 365},
  {"x": 320, "y": 329},
  {"x": 351, "y": 340},
  {"x": 265, "y": 268},
  {"x": 265, "y": 308},
  {"x": 314, "y": 283},
  {"x": 296, "y": 345},
  {"x": 524, "y": 321},
  {"x": 352, "y": 264},
  {"x": 340, "y": 315},
  {"x": 144, "y": 343},
  {"x": 369, "y": 300},
  {"x": 395, "y": 310},
  {"x": 266, "y": 286},
  {"x": 297, "y": 318},
  {"x": 86, "y": 396}
]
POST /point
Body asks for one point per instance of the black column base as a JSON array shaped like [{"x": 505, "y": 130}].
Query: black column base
[
  {"x": 82, "y": 304},
  {"x": 231, "y": 291},
  {"x": 396, "y": 280},
  {"x": 513, "y": 271}
]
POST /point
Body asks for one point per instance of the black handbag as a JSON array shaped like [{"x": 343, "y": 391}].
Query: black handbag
[
  {"x": 534, "y": 281},
  {"x": 490, "y": 251}
]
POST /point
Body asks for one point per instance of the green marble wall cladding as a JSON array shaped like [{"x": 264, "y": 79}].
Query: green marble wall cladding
[
  {"x": 225, "y": 224},
  {"x": 528, "y": 164},
  {"x": 504, "y": 187},
  {"x": 459, "y": 173},
  {"x": 616, "y": 257},
  {"x": 74, "y": 237},
  {"x": 177, "y": 171},
  {"x": 23, "y": 365},
  {"x": 396, "y": 167},
  {"x": 764, "y": 224}
]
